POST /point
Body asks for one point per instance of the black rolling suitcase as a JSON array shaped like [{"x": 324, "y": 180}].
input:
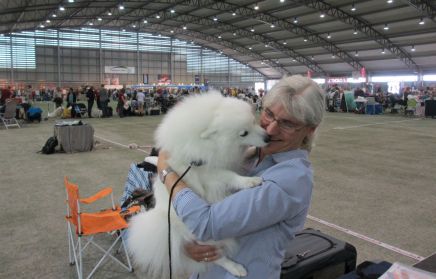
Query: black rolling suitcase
[
  {"x": 315, "y": 255},
  {"x": 154, "y": 111}
]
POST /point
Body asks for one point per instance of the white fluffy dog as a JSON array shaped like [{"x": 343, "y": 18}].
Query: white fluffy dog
[
  {"x": 213, "y": 130},
  {"x": 97, "y": 113},
  {"x": 56, "y": 113}
]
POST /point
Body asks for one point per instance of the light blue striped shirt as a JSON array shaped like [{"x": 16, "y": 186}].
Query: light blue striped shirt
[{"x": 262, "y": 219}]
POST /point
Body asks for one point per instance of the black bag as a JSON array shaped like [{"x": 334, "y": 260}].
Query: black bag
[
  {"x": 50, "y": 146},
  {"x": 368, "y": 270},
  {"x": 142, "y": 197},
  {"x": 154, "y": 111},
  {"x": 315, "y": 255},
  {"x": 109, "y": 111}
]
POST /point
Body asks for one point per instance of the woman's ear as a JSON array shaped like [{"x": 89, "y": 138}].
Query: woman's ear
[{"x": 312, "y": 130}]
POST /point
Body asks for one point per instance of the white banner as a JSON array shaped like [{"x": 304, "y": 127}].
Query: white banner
[{"x": 119, "y": 70}]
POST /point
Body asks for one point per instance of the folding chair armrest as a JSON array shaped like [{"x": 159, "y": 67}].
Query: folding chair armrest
[{"x": 101, "y": 194}]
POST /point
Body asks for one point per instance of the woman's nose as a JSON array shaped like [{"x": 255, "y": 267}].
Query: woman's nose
[{"x": 272, "y": 128}]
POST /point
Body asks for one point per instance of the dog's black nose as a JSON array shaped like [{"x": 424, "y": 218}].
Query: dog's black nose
[{"x": 267, "y": 138}]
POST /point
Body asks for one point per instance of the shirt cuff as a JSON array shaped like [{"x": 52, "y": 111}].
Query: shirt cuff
[{"x": 182, "y": 199}]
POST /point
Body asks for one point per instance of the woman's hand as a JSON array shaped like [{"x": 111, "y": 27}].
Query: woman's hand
[
  {"x": 202, "y": 253},
  {"x": 171, "y": 177},
  {"x": 162, "y": 160}
]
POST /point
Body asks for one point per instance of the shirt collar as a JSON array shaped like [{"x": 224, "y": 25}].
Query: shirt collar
[
  {"x": 273, "y": 159},
  {"x": 288, "y": 155}
]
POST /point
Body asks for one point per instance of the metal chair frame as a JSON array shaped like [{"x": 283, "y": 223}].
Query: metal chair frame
[{"x": 77, "y": 246}]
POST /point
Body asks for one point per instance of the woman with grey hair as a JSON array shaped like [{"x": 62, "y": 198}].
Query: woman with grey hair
[{"x": 264, "y": 218}]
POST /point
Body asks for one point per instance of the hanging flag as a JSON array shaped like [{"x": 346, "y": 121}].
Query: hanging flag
[
  {"x": 363, "y": 72},
  {"x": 309, "y": 73}
]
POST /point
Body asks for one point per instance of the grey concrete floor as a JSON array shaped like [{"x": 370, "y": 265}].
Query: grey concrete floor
[{"x": 374, "y": 175}]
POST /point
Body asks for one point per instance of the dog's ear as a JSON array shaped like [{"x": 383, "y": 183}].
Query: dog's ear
[{"x": 207, "y": 133}]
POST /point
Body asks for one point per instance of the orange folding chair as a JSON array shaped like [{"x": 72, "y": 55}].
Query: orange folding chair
[{"x": 90, "y": 225}]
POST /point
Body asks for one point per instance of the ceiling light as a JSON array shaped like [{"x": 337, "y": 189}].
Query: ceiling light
[
  {"x": 234, "y": 34},
  {"x": 328, "y": 36},
  {"x": 383, "y": 51},
  {"x": 99, "y": 19},
  {"x": 285, "y": 43},
  {"x": 233, "y": 14},
  {"x": 124, "y": 30},
  {"x": 184, "y": 27},
  {"x": 355, "y": 32},
  {"x": 293, "y": 60},
  {"x": 266, "y": 45},
  {"x": 172, "y": 11},
  {"x": 70, "y": 1},
  {"x": 121, "y": 6},
  {"x": 333, "y": 56},
  {"x": 172, "y": 31},
  {"x": 215, "y": 19},
  {"x": 250, "y": 48},
  {"x": 421, "y": 22},
  {"x": 313, "y": 58},
  {"x": 219, "y": 37},
  {"x": 54, "y": 15},
  {"x": 61, "y": 8},
  {"x": 41, "y": 25},
  {"x": 109, "y": 13},
  {"x": 256, "y": 7},
  {"x": 272, "y": 26},
  {"x": 91, "y": 24},
  {"x": 390, "y": 1},
  {"x": 386, "y": 27},
  {"x": 295, "y": 20},
  {"x": 282, "y": 1},
  {"x": 48, "y": 21},
  {"x": 145, "y": 21},
  {"x": 413, "y": 48},
  {"x": 305, "y": 40},
  {"x": 353, "y": 8},
  {"x": 134, "y": 26},
  {"x": 252, "y": 29},
  {"x": 322, "y": 15},
  {"x": 356, "y": 54},
  {"x": 158, "y": 16}
]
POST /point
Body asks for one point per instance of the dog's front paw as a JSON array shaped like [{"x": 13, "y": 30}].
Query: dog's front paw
[
  {"x": 247, "y": 182},
  {"x": 237, "y": 270}
]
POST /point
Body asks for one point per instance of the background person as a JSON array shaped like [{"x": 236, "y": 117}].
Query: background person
[
  {"x": 104, "y": 100},
  {"x": 264, "y": 218},
  {"x": 90, "y": 95}
]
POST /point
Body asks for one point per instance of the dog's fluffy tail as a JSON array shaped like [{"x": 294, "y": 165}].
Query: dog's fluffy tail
[{"x": 148, "y": 244}]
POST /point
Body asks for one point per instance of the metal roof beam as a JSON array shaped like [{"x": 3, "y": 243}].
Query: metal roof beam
[
  {"x": 425, "y": 7},
  {"x": 286, "y": 25},
  {"x": 245, "y": 33},
  {"x": 209, "y": 38},
  {"x": 364, "y": 27}
]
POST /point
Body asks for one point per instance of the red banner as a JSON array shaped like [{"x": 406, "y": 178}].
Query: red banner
[{"x": 363, "y": 72}]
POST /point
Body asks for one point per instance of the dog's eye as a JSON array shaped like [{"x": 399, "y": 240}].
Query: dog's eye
[{"x": 244, "y": 134}]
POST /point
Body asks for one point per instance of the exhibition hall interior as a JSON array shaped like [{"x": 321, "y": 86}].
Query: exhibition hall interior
[{"x": 93, "y": 91}]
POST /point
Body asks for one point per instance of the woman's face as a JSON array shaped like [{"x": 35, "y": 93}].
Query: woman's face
[{"x": 286, "y": 132}]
